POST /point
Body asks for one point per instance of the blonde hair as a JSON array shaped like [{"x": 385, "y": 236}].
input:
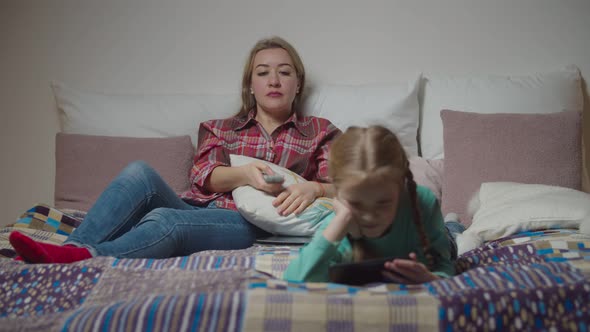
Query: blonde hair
[
  {"x": 374, "y": 152},
  {"x": 248, "y": 100}
]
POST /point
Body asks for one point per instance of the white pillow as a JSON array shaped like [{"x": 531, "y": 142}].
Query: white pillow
[
  {"x": 256, "y": 206},
  {"x": 138, "y": 115},
  {"x": 394, "y": 106},
  {"x": 505, "y": 208},
  {"x": 537, "y": 93}
]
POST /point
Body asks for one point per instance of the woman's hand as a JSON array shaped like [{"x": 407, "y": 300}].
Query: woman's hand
[
  {"x": 253, "y": 173},
  {"x": 296, "y": 198},
  {"x": 408, "y": 271}
]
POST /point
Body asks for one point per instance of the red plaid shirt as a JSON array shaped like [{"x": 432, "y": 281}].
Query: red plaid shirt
[{"x": 301, "y": 144}]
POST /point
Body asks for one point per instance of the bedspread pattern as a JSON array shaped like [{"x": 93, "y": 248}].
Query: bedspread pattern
[
  {"x": 205, "y": 291},
  {"x": 533, "y": 280}
]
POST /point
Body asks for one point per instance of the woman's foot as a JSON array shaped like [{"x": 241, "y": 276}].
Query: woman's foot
[{"x": 38, "y": 252}]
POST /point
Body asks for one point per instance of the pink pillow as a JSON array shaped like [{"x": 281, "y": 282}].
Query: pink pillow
[
  {"x": 526, "y": 148},
  {"x": 86, "y": 164},
  {"x": 428, "y": 173}
]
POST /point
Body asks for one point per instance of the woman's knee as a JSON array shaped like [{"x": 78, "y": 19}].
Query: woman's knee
[
  {"x": 138, "y": 171},
  {"x": 138, "y": 167}
]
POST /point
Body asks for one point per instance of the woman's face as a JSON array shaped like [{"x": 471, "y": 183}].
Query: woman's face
[
  {"x": 373, "y": 205},
  {"x": 274, "y": 81}
]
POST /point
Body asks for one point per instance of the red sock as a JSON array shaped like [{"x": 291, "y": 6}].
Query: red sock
[{"x": 39, "y": 252}]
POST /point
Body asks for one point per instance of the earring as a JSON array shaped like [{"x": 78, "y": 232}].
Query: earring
[{"x": 251, "y": 91}]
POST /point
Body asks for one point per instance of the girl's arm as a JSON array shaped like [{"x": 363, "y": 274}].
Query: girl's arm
[
  {"x": 327, "y": 247},
  {"x": 441, "y": 245},
  {"x": 436, "y": 232},
  {"x": 415, "y": 271},
  {"x": 313, "y": 261},
  {"x": 337, "y": 229}
]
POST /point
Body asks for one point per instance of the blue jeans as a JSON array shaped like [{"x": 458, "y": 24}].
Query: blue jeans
[
  {"x": 453, "y": 229},
  {"x": 140, "y": 216}
]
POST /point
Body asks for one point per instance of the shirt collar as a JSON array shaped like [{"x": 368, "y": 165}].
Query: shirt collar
[{"x": 304, "y": 126}]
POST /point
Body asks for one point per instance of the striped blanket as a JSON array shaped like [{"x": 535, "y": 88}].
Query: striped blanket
[{"x": 535, "y": 280}]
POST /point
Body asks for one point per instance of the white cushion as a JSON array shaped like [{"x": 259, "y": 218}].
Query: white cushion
[
  {"x": 537, "y": 93},
  {"x": 505, "y": 208},
  {"x": 129, "y": 115},
  {"x": 392, "y": 105},
  {"x": 256, "y": 206}
]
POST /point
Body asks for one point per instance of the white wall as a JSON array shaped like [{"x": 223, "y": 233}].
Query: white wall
[{"x": 191, "y": 46}]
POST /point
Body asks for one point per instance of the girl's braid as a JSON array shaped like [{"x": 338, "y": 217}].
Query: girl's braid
[{"x": 411, "y": 185}]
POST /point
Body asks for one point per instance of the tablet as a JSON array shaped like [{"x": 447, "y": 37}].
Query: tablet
[
  {"x": 360, "y": 273},
  {"x": 286, "y": 240}
]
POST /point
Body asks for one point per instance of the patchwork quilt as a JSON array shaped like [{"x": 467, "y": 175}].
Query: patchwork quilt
[{"x": 535, "y": 280}]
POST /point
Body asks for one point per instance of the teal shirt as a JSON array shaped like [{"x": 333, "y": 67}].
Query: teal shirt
[{"x": 402, "y": 238}]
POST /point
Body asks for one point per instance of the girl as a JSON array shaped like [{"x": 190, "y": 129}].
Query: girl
[
  {"x": 379, "y": 212},
  {"x": 140, "y": 216}
]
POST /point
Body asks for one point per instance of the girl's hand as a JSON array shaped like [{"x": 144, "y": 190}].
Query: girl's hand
[
  {"x": 253, "y": 173},
  {"x": 408, "y": 271},
  {"x": 342, "y": 209},
  {"x": 295, "y": 198},
  {"x": 339, "y": 226}
]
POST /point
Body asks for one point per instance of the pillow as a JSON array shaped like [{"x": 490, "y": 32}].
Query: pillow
[
  {"x": 86, "y": 164},
  {"x": 392, "y": 105},
  {"x": 49, "y": 219},
  {"x": 506, "y": 208},
  {"x": 546, "y": 92},
  {"x": 428, "y": 173},
  {"x": 256, "y": 206},
  {"x": 128, "y": 115},
  {"x": 525, "y": 148}
]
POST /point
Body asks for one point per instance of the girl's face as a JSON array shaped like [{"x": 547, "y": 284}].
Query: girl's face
[
  {"x": 274, "y": 81},
  {"x": 373, "y": 205}
]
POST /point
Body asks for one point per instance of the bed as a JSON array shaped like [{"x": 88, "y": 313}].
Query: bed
[{"x": 525, "y": 273}]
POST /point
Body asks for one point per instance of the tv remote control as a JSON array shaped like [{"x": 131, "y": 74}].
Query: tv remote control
[{"x": 273, "y": 178}]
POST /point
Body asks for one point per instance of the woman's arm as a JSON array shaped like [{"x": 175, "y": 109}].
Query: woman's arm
[
  {"x": 297, "y": 197},
  {"x": 322, "y": 158},
  {"x": 212, "y": 174},
  {"x": 326, "y": 189},
  {"x": 225, "y": 178}
]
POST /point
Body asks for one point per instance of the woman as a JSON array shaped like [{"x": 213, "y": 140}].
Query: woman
[{"x": 139, "y": 215}]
